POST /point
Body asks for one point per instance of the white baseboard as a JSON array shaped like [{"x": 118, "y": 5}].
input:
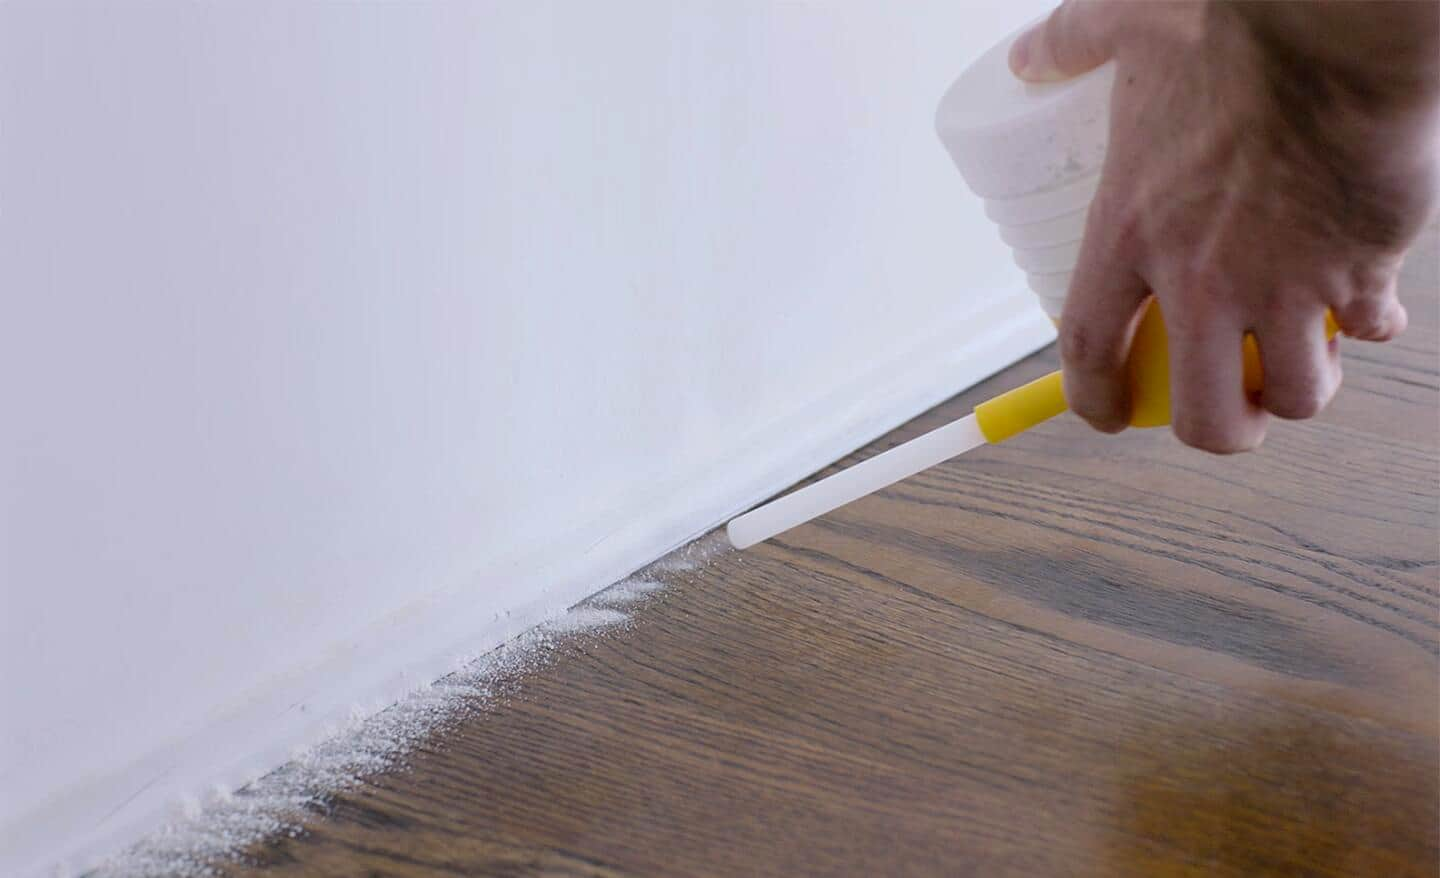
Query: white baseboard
[{"x": 430, "y": 637}]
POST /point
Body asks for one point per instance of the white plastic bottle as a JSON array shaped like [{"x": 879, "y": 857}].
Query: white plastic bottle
[{"x": 1033, "y": 152}]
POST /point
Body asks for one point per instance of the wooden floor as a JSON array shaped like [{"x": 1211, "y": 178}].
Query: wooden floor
[{"x": 1070, "y": 655}]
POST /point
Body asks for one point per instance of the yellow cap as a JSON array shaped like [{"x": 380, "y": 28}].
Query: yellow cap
[{"x": 1022, "y": 408}]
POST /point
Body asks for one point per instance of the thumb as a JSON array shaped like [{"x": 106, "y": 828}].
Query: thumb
[{"x": 1076, "y": 37}]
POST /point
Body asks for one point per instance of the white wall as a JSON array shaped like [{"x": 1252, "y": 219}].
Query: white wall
[{"x": 330, "y": 331}]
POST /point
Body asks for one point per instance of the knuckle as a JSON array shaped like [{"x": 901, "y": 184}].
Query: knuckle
[
  {"x": 1364, "y": 318},
  {"x": 1199, "y": 281},
  {"x": 1094, "y": 401},
  {"x": 1061, "y": 28},
  {"x": 1127, "y": 226},
  {"x": 1081, "y": 351},
  {"x": 1371, "y": 278},
  {"x": 1115, "y": 214},
  {"x": 1281, "y": 307}
]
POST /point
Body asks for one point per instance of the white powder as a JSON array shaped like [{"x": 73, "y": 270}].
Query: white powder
[
  {"x": 692, "y": 555},
  {"x": 279, "y": 802}
]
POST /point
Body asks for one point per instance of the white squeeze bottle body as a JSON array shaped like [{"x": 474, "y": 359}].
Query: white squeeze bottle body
[{"x": 1033, "y": 152}]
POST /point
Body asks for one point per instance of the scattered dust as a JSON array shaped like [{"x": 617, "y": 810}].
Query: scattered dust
[
  {"x": 213, "y": 831},
  {"x": 693, "y": 555},
  {"x": 626, "y": 592}
]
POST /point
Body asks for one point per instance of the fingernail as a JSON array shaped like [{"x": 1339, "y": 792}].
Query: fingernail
[
  {"x": 1030, "y": 57},
  {"x": 1020, "y": 54}
]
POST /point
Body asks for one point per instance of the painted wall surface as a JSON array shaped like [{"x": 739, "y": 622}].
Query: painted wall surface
[{"x": 320, "y": 319}]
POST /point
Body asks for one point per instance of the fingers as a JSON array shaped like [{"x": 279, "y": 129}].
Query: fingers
[
  {"x": 1078, "y": 36},
  {"x": 1301, "y": 367},
  {"x": 1102, "y": 309},
  {"x": 1210, "y": 409},
  {"x": 1375, "y": 317}
]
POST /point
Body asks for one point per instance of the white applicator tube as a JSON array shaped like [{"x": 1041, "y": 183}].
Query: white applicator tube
[{"x": 863, "y": 478}]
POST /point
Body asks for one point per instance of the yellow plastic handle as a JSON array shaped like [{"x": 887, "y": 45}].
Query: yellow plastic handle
[{"x": 1022, "y": 408}]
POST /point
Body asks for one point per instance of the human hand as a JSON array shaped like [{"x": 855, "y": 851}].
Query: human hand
[{"x": 1267, "y": 161}]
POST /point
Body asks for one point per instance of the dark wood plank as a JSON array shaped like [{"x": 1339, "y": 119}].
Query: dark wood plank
[{"x": 1070, "y": 655}]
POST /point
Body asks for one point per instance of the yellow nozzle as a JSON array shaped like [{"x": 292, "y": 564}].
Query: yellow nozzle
[{"x": 1149, "y": 367}]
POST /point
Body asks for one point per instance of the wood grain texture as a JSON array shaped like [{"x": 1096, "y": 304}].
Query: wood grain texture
[{"x": 1069, "y": 655}]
